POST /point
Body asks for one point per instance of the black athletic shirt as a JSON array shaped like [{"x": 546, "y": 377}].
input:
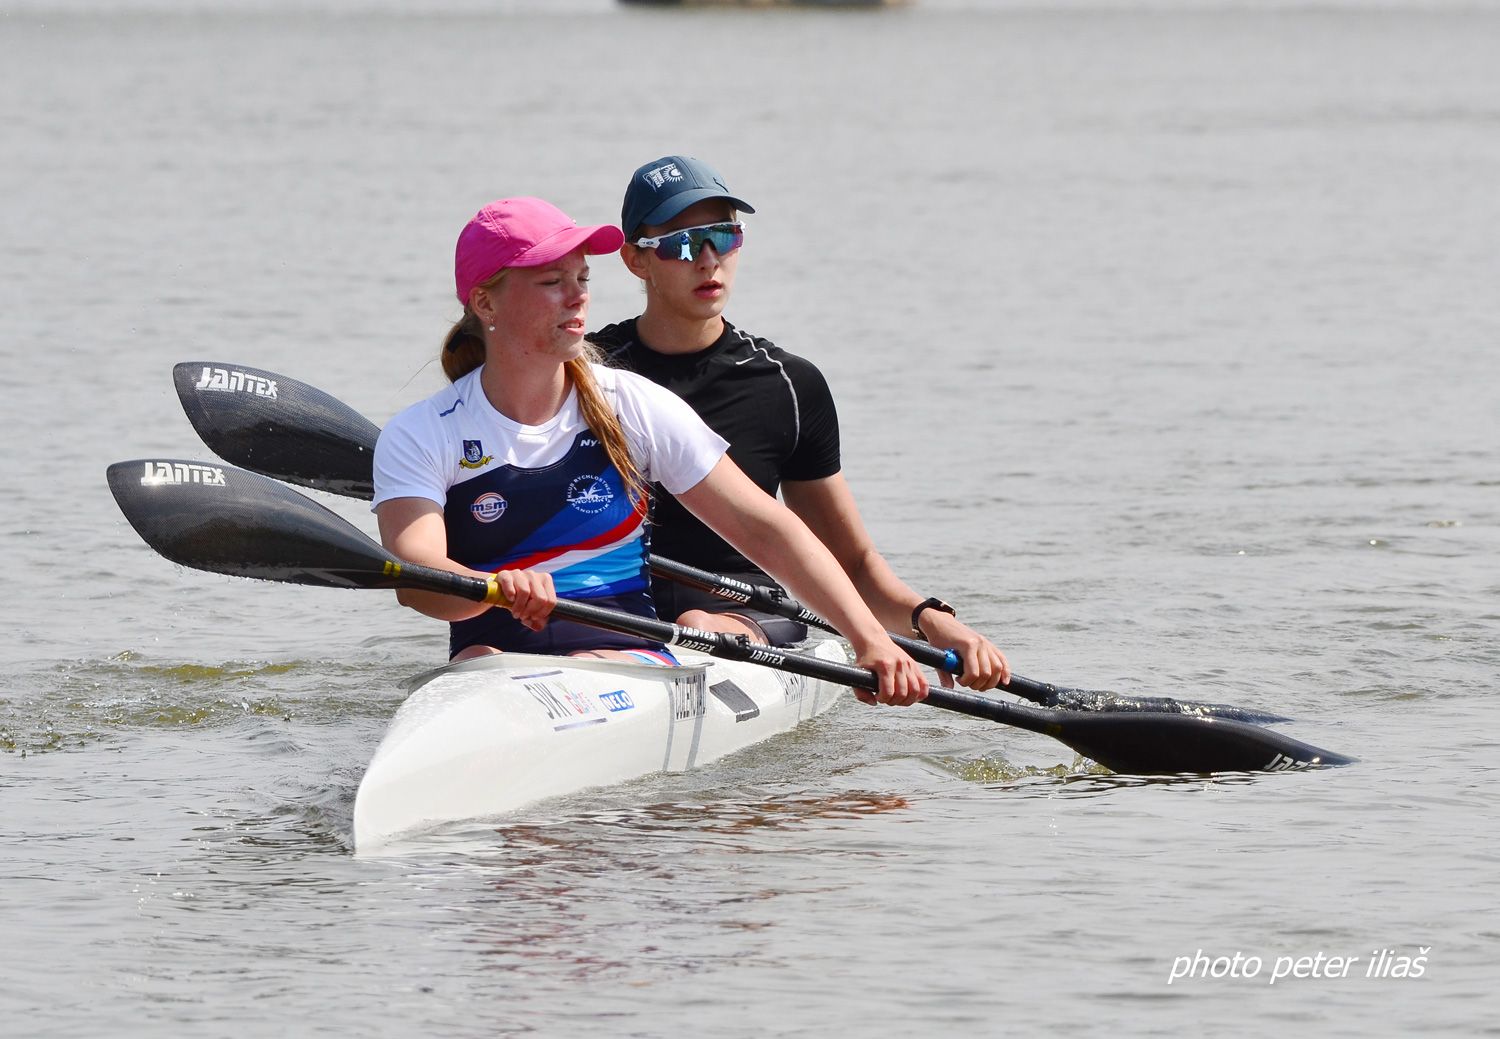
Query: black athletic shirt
[{"x": 773, "y": 407}]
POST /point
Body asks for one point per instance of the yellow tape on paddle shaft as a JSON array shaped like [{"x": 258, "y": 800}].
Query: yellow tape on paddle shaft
[{"x": 495, "y": 597}]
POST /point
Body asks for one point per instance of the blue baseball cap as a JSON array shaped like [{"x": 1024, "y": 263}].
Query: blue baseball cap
[{"x": 660, "y": 190}]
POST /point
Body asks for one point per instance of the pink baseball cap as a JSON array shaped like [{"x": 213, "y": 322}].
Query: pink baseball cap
[{"x": 522, "y": 232}]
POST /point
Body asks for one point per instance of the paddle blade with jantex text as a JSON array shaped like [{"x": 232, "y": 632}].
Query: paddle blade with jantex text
[
  {"x": 270, "y": 424},
  {"x": 211, "y": 517}
]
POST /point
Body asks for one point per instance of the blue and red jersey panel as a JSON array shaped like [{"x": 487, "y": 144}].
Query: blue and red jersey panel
[{"x": 571, "y": 519}]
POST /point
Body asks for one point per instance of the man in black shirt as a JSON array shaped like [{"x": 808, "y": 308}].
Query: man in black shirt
[{"x": 682, "y": 240}]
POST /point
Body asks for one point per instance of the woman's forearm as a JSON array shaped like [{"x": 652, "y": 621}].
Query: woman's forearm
[
  {"x": 412, "y": 529},
  {"x": 788, "y": 551},
  {"x": 771, "y": 536},
  {"x": 889, "y": 598},
  {"x": 827, "y": 507}
]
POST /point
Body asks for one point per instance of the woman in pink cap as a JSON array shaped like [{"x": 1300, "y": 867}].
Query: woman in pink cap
[{"x": 533, "y": 465}]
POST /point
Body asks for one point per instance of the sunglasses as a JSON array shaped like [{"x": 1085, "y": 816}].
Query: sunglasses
[{"x": 688, "y": 243}]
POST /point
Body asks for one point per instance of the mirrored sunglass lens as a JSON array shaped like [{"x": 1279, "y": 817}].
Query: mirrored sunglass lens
[
  {"x": 686, "y": 245},
  {"x": 725, "y": 239}
]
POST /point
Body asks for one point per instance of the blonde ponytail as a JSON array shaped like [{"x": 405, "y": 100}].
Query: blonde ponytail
[
  {"x": 463, "y": 351},
  {"x": 605, "y": 424},
  {"x": 463, "y": 347}
]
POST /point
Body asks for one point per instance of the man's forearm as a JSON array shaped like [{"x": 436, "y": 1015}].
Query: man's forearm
[{"x": 887, "y": 595}]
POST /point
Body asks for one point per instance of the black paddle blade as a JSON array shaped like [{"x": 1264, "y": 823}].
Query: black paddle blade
[
  {"x": 1144, "y": 744},
  {"x": 279, "y": 427},
  {"x": 1150, "y": 743},
  {"x": 228, "y": 521}
]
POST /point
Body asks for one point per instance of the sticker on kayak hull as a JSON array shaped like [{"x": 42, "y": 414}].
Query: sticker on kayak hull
[
  {"x": 579, "y": 725},
  {"x": 687, "y": 697},
  {"x": 794, "y": 686},
  {"x": 736, "y": 699},
  {"x": 563, "y": 705},
  {"x": 619, "y": 700}
]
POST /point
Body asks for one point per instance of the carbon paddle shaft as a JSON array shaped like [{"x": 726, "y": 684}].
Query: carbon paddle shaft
[
  {"x": 1128, "y": 743},
  {"x": 775, "y": 601}
]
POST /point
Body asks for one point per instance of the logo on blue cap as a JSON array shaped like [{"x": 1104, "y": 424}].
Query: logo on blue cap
[
  {"x": 661, "y": 174},
  {"x": 663, "y": 188}
]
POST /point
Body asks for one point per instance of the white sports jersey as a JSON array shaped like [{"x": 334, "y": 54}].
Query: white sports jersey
[
  {"x": 456, "y": 435},
  {"x": 546, "y": 497}
]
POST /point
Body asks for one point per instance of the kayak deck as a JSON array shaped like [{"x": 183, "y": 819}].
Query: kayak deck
[{"x": 485, "y": 736}]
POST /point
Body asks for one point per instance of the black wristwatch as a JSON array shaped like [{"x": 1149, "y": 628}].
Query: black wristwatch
[{"x": 929, "y": 604}]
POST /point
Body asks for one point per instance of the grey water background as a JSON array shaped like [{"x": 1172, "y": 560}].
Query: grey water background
[{"x": 1164, "y": 344}]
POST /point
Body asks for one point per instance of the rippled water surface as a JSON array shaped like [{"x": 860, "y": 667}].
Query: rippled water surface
[{"x": 1164, "y": 344}]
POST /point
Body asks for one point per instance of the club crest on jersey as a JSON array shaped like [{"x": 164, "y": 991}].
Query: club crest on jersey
[
  {"x": 487, "y": 508},
  {"x": 474, "y": 456},
  {"x": 590, "y": 494},
  {"x": 661, "y": 174}
]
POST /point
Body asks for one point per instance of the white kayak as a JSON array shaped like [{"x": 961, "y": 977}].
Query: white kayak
[{"x": 486, "y": 736}]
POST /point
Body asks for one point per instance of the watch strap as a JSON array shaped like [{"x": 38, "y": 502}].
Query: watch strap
[{"x": 931, "y": 603}]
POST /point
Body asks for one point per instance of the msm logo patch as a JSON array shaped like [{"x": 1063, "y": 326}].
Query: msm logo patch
[{"x": 487, "y": 508}]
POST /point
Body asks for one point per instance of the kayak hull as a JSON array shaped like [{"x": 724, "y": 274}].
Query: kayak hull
[{"x": 486, "y": 736}]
